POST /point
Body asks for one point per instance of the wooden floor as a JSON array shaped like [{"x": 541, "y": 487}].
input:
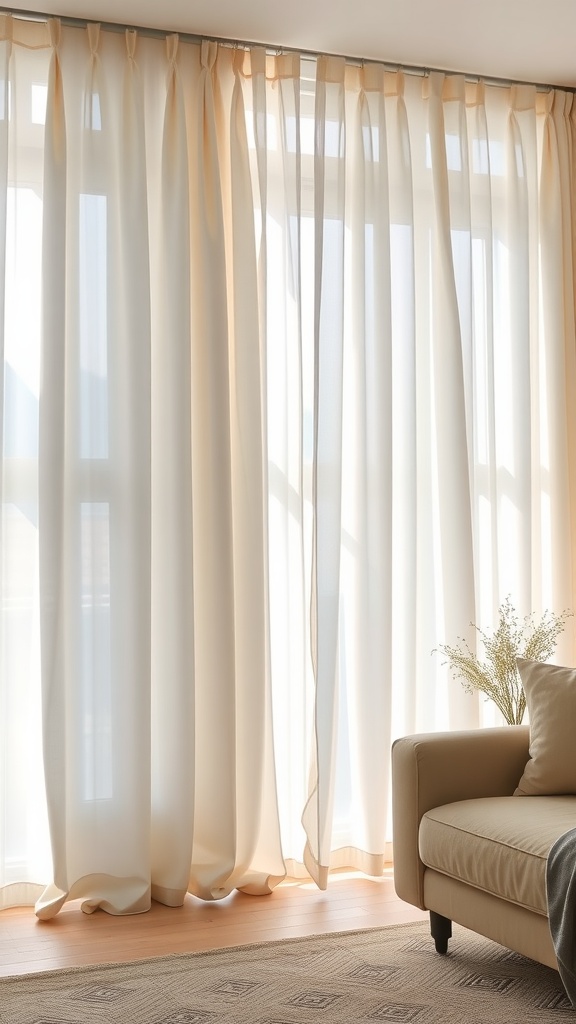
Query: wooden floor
[{"x": 73, "y": 938}]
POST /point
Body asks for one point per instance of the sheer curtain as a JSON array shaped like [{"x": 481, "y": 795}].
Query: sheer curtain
[{"x": 288, "y": 399}]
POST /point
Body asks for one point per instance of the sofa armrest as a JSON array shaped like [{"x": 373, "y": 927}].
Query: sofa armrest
[{"x": 431, "y": 769}]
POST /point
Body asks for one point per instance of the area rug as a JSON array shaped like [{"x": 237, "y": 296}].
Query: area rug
[{"x": 388, "y": 974}]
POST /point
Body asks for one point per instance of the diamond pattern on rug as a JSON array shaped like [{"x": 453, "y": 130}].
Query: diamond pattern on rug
[
  {"x": 236, "y": 988},
  {"x": 101, "y": 994},
  {"x": 554, "y": 1001},
  {"x": 314, "y": 1000},
  {"x": 507, "y": 956},
  {"x": 372, "y": 972},
  {"x": 400, "y": 1013},
  {"x": 488, "y": 983},
  {"x": 423, "y": 945}
]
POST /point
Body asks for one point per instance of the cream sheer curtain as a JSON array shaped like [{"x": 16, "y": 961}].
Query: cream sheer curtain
[{"x": 288, "y": 399}]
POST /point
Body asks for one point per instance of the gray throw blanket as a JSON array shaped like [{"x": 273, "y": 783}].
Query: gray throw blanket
[{"x": 561, "y": 896}]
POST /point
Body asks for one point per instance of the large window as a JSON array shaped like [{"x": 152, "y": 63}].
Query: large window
[{"x": 287, "y": 402}]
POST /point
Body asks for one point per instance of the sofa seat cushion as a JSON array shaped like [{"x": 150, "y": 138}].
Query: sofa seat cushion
[{"x": 497, "y": 844}]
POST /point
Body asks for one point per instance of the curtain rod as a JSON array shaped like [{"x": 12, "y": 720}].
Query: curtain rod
[{"x": 272, "y": 48}]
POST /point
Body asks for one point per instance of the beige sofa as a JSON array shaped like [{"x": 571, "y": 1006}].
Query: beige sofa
[{"x": 465, "y": 848}]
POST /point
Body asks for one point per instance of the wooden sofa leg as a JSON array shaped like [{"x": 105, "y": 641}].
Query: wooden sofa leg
[{"x": 441, "y": 931}]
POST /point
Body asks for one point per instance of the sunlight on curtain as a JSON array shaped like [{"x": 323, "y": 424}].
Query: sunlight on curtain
[{"x": 288, "y": 388}]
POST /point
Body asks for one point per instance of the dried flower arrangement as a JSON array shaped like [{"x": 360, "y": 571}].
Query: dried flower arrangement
[{"x": 498, "y": 677}]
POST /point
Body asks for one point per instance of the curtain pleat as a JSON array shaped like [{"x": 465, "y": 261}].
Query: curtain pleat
[
  {"x": 5, "y": 53},
  {"x": 564, "y": 116},
  {"x": 287, "y": 393},
  {"x": 367, "y": 514},
  {"x": 52, "y": 512},
  {"x": 172, "y": 635},
  {"x": 559, "y": 343},
  {"x": 214, "y": 835},
  {"x": 515, "y": 346},
  {"x": 405, "y": 701},
  {"x": 451, "y": 424},
  {"x": 329, "y": 220},
  {"x": 487, "y": 483},
  {"x": 25, "y": 862},
  {"x": 289, "y": 400},
  {"x": 257, "y": 838}
]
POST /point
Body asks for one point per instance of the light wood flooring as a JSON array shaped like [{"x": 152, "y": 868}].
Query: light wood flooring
[{"x": 293, "y": 909}]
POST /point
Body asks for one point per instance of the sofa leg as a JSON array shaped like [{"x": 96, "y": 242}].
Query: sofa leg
[{"x": 441, "y": 931}]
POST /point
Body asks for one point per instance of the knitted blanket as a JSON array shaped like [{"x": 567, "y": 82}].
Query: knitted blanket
[{"x": 561, "y": 896}]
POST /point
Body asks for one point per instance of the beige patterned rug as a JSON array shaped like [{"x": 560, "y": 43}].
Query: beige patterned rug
[{"x": 381, "y": 975}]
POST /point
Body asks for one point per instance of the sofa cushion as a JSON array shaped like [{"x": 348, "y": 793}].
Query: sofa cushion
[
  {"x": 497, "y": 844},
  {"x": 551, "y": 700}
]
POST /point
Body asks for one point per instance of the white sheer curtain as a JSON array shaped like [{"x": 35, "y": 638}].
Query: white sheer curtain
[{"x": 288, "y": 399}]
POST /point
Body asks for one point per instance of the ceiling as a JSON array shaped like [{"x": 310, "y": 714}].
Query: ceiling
[{"x": 527, "y": 40}]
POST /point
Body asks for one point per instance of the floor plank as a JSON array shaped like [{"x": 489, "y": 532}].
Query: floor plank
[{"x": 293, "y": 909}]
